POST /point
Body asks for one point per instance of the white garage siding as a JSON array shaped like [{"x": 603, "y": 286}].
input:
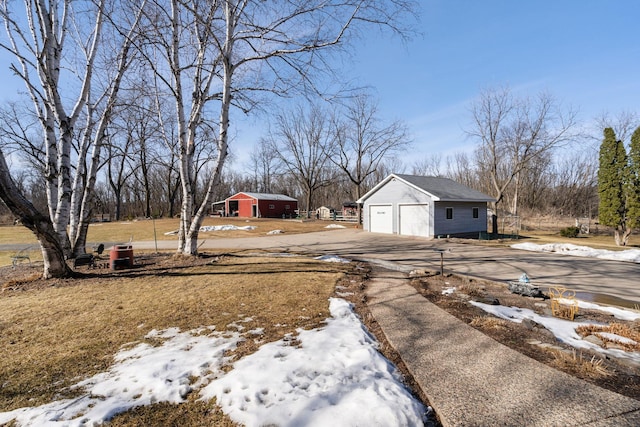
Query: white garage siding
[
  {"x": 381, "y": 219},
  {"x": 414, "y": 220}
]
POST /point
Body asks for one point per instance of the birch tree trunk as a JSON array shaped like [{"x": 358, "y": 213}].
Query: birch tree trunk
[
  {"x": 39, "y": 48},
  {"x": 40, "y": 224}
]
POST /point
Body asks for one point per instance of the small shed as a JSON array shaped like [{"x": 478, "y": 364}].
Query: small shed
[
  {"x": 260, "y": 205},
  {"x": 325, "y": 212},
  {"x": 424, "y": 206}
]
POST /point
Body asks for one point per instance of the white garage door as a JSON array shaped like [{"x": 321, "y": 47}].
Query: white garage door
[
  {"x": 414, "y": 220},
  {"x": 381, "y": 219}
]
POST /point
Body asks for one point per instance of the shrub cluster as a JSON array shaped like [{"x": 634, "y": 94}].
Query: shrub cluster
[{"x": 570, "y": 232}]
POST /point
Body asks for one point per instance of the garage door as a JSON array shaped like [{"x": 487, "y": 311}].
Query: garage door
[
  {"x": 381, "y": 219},
  {"x": 414, "y": 220}
]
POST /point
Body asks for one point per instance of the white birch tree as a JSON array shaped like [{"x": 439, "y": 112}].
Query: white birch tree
[{"x": 55, "y": 45}]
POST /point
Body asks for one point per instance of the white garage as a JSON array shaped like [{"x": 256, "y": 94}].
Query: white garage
[
  {"x": 381, "y": 218},
  {"x": 424, "y": 206}
]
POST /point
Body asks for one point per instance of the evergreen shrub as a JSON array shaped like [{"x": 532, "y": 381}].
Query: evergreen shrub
[{"x": 570, "y": 232}]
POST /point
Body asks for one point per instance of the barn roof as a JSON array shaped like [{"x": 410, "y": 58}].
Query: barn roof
[
  {"x": 441, "y": 189},
  {"x": 269, "y": 196}
]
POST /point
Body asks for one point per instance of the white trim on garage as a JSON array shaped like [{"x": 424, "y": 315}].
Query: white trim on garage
[{"x": 381, "y": 218}]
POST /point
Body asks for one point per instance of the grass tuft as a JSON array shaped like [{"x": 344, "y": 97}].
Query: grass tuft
[
  {"x": 577, "y": 363},
  {"x": 488, "y": 322},
  {"x": 614, "y": 328}
]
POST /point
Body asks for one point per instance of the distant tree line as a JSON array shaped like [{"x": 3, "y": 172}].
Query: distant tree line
[{"x": 326, "y": 156}]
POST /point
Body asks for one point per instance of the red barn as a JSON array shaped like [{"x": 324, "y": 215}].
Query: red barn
[{"x": 260, "y": 205}]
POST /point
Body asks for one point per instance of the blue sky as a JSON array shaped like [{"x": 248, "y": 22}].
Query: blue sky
[{"x": 586, "y": 53}]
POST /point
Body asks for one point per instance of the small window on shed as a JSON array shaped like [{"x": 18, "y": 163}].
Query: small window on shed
[
  {"x": 449, "y": 213},
  {"x": 476, "y": 213},
  {"x": 287, "y": 207},
  {"x": 272, "y": 206}
]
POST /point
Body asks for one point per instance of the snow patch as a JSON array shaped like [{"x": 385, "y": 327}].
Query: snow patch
[
  {"x": 331, "y": 258},
  {"x": 206, "y": 228},
  {"x": 629, "y": 255}
]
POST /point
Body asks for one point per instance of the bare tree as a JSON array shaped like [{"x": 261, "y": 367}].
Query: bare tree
[
  {"x": 35, "y": 221},
  {"x": 623, "y": 124},
  {"x": 265, "y": 166},
  {"x": 302, "y": 140},
  {"x": 461, "y": 168},
  {"x": 428, "y": 166},
  {"x": 363, "y": 141},
  {"x": 512, "y": 133}
]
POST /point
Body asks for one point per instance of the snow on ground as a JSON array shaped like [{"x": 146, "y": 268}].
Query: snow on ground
[
  {"x": 206, "y": 228},
  {"x": 140, "y": 376},
  {"x": 333, "y": 375},
  {"x": 564, "y": 330},
  {"x": 272, "y": 232},
  {"x": 331, "y": 258},
  {"x": 629, "y": 255},
  {"x": 336, "y": 377},
  {"x": 335, "y": 226}
]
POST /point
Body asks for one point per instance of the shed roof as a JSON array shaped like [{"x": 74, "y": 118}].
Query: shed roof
[
  {"x": 268, "y": 196},
  {"x": 441, "y": 189}
]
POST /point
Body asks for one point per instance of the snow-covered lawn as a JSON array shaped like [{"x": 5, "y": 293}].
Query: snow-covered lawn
[
  {"x": 328, "y": 376},
  {"x": 629, "y": 255}
]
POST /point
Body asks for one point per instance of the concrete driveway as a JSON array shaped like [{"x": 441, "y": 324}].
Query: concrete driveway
[{"x": 603, "y": 281}]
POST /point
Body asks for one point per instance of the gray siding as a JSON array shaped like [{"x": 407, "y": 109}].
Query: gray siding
[{"x": 463, "y": 221}]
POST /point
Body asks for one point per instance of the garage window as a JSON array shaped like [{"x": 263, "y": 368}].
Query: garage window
[
  {"x": 476, "y": 213},
  {"x": 449, "y": 213}
]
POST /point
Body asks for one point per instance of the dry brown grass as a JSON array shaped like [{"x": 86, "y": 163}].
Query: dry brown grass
[
  {"x": 52, "y": 336},
  {"x": 576, "y": 363},
  {"x": 488, "y": 322},
  {"x": 148, "y": 230},
  {"x": 614, "y": 328},
  {"x": 143, "y": 230},
  {"x": 472, "y": 289}
]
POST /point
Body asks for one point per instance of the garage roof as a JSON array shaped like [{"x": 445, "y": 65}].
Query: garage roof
[{"x": 441, "y": 189}]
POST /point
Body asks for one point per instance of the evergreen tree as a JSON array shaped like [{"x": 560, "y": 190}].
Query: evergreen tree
[
  {"x": 612, "y": 210},
  {"x": 633, "y": 184}
]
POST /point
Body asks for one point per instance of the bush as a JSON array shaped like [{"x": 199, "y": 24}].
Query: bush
[{"x": 570, "y": 232}]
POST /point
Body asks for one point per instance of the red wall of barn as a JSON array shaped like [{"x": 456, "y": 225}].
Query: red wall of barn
[{"x": 276, "y": 208}]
